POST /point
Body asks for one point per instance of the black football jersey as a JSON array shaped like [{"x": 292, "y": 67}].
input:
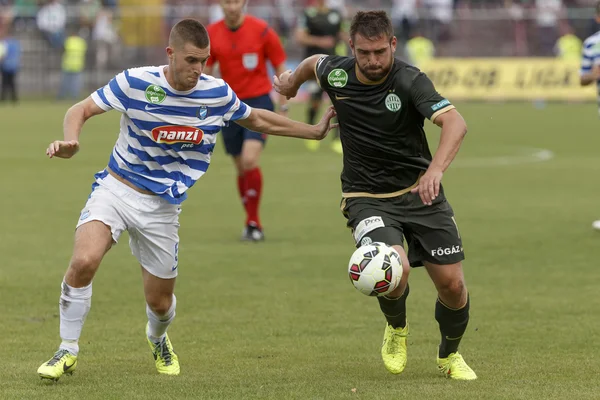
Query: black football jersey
[{"x": 381, "y": 125}]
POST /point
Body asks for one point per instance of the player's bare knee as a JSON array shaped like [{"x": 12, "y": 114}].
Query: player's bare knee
[
  {"x": 249, "y": 163},
  {"x": 82, "y": 269},
  {"x": 160, "y": 304},
  {"x": 453, "y": 289}
]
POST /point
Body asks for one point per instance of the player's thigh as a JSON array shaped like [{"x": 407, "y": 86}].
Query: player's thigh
[
  {"x": 100, "y": 225},
  {"x": 449, "y": 281},
  {"x": 251, "y": 150},
  {"x": 431, "y": 231},
  {"x": 373, "y": 220},
  {"x": 254, "y": 142},
  {"x": 154, "y": 241}
]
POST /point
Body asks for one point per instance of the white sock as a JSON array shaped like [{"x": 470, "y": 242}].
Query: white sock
[
  {"x": 75, "y": 304},
  {"x": 157, "y": 325}
]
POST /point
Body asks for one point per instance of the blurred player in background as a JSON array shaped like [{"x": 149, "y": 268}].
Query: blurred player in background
[
  {"x": 391, "y": 184},
  {"x": 319, "y": 30},
  {"x": 170, "y": 119},
  {"x": 241, "y": 45},
  {"x": 418, "y": 49},
  {"x": 10, "y": 64},
  {"x": 590, "y": 69}
]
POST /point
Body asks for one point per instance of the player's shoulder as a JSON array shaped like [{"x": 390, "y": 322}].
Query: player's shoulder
[
  {"x": 592, "y": 40},
  {"x": 335, "y": 62},
  {"x": 144, "y": 72},
  {"x": 210, "y": 82},
  {"x": 334, "y": 12},
  {"x": 256, "y": 22},
  {"x": 405, "y": 73},
  {"x": 137, "y": 77},
  {"x": 311, "y": 12}
]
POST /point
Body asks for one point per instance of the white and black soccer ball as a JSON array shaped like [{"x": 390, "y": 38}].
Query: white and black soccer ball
[{"x": 375, "y": 269}]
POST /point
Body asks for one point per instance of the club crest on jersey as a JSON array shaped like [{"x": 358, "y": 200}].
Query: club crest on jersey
[
  {"x": 177, "y": 134},
  {"x": 155, "y": 94},
  {"x": 392, "y": 102},
  {"x": 202, "y": 113},
  {"x": 333, "y": 18}
]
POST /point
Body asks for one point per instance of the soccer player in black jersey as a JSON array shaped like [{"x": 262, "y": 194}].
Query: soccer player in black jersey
[{"x": 391, "y": 184}]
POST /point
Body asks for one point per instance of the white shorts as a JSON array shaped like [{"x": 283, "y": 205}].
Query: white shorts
[{"x": 152, "y": 223}]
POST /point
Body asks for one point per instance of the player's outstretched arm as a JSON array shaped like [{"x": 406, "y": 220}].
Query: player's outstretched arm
[
  {"x": 454, "y": 129},
  {"x": 268, "y": 122},
  {"x": 288, "y": 83},
  {"x": 72, "y": 124},
  {"x": 590, "y": 77}
]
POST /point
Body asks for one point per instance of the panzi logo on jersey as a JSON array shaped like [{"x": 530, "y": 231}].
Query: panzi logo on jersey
[{"x": 177, "y": 134}]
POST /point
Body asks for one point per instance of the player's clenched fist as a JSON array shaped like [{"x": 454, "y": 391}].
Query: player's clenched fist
[
  {"x": 62, "y": 149},
  {"x": 283, "y": 85}
]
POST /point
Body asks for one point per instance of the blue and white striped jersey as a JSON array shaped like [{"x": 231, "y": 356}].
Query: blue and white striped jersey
[
  {"x": 591, "y": 55},
  {"x": 167, "y": 136}
]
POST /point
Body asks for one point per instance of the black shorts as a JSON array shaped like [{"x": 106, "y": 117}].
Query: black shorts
[
  {"x": 431, "y": 232},
  {"x": 234, "y": 135}
]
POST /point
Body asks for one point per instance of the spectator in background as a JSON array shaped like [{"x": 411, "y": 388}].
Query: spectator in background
[
  {"x": 105, "y": 37},
  {"x": 215, "y": 12},
  {"x": 319, "y": 30},
  {"x": 442, "y": 14},
  {"x": 568, "y": 47},
  {"x": 51, "y": 21},
  {"x": 25, "y": 12},
  {"x": 547, "y": 16},
  {"x": 419, "y": 50},
  {"x": 112, "y": 4},
  {"x": 10, "y": 63},
  {"x": 516, "y": 10},
  {"x": 73, "y": 62},
  {"x": 88, "y": 11},
  {"x": 404, "y": 16}
]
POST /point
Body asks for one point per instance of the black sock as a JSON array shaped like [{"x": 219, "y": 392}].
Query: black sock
[
  {"x": 395, "y": 309},
  {"x": 312, "y": 113},
  {"x": 453, "y": 324}
]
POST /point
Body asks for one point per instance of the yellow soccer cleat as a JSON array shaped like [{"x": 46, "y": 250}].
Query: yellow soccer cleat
[
  {"x": 336, "y": 146},
  {"x": 61, "y": 363},
  {"x": 312, "y": 145},
  {"x": 393, "y": 349},
  {"x": 454, "y": 367},
  {"x": 165, "y": 358}
]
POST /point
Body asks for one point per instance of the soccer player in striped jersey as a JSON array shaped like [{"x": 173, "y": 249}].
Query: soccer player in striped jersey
[
  {"x": 170, "y": 117},
  {"x": 590, "y": 69}
]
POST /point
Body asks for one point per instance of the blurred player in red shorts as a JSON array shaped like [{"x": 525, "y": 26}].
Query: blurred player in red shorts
[{"x": 241, "y": 44}]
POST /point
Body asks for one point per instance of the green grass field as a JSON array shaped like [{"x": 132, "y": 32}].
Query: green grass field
[{"x": 280, "y": 320}]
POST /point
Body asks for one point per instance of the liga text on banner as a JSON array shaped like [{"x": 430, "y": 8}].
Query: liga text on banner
[{"x": 508, "y": 79}]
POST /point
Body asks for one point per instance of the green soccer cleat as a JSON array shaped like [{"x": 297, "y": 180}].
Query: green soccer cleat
[
  {"x": 393, "y": 349},
  {"x": 165, "y": 358},
  {"x": 454, "y": 367},
  {"x": 61, "y": 363}
]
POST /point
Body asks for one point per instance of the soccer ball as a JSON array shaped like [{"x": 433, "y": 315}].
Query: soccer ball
[{"x": 375, "y": 269}]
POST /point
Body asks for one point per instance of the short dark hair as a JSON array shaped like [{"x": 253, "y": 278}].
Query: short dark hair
[
  {"x": 371, "y": 25},
  {"x": 598, "y": 8},
  {"x": 189, "y": 31}
]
